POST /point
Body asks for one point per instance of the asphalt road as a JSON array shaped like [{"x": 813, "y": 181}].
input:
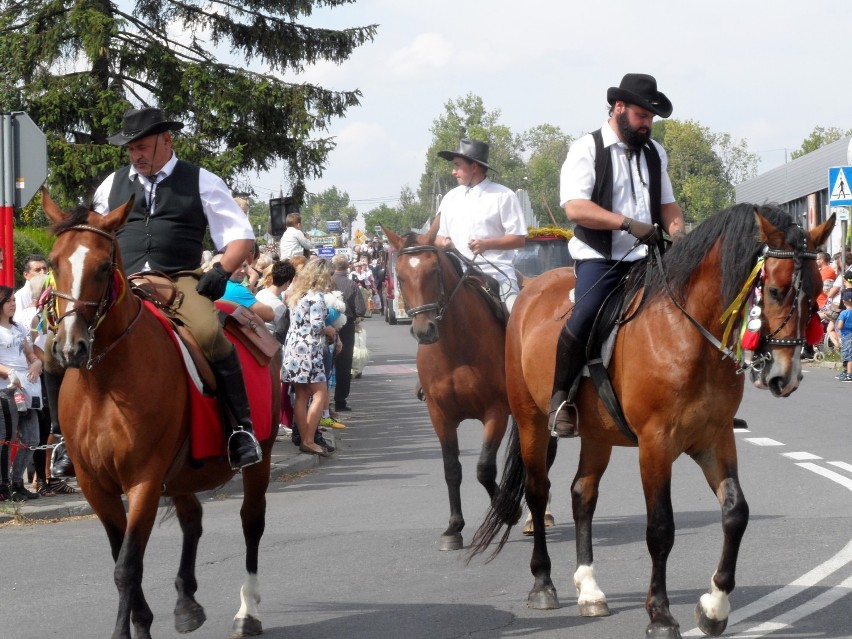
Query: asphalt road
[{"x": 350, "y": 548}]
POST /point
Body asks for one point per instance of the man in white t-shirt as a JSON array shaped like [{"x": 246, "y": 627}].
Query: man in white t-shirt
[
  {"x": 481, "y": 219},
  {"x": 294, "y": 242}
]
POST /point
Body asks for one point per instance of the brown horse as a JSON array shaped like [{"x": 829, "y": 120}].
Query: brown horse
[
  {"x": 460, "y": 360},
  {"x": 677, "y": 392},
  {"x": 124, "y": 415}
]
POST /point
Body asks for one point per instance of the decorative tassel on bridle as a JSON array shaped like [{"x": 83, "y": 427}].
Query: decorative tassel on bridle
[{"x": 751, "y": 296}]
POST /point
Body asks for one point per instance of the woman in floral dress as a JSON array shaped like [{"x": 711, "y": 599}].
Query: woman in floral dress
[{"x": 303, "y": 352}]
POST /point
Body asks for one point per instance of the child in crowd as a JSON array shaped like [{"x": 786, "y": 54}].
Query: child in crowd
[{"x": 844, "y": 327}]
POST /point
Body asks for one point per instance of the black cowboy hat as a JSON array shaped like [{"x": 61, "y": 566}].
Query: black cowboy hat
[
  {"x": 641, "y": 89},
  {"x": 470, "y": 150},
  {"x": 138, "y": 123}
]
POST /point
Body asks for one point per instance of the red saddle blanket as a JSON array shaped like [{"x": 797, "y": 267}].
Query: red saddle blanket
[{"x": 207, "y": 437}]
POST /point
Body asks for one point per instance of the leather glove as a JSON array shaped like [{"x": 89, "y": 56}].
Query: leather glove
[
  {"x": 642, "y": 231},
  {"x": 212, "y": 284}
]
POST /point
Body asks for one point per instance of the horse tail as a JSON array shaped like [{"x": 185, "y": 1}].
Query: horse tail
[{"x": 505, "y": 508}]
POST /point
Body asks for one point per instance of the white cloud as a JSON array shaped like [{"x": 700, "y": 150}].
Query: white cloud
[{"x": 428, "y": 53}]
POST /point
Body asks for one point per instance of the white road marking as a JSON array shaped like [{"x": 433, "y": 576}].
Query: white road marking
[
  {"x": 846, "y": 482},
  {"x": 763, "y": 441},
  {"x": 787, "y": 619},
  {"x": 842, "y": 465},
  {"x": 808, "y": 580},
  {"x": 801, "y": 456}
]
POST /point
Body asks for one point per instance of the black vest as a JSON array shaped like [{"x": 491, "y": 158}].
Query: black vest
[
  {"x": 171, "y": 239},
  {"x": 599, "y": 239}
]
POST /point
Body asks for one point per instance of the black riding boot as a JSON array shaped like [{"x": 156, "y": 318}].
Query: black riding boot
[
  {"x": 570, "y": 359},
  {"x": 243, "y": 447},
  {"x": 60, "y": 462}
]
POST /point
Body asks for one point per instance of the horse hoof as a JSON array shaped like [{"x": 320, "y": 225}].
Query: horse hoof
[
  {"x": 710, "y": 627},
  {"x": 451, "y": 542},
  {"x": 657, "y": 630},
  {"x": 528, "y": 528},
  {"x": 594, "y": 609},
  {"x": 246, "y": 627},
  {"x": 190, "y": 617},
  {"x": 543, "y": 599},
  {"x": 549, "y": 520}
]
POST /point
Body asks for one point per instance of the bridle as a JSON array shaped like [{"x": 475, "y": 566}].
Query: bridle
[
  {"x": 752, "y": 293},
  {"x": 114, "y": 291},
  {"x": 443, "y": 302}
]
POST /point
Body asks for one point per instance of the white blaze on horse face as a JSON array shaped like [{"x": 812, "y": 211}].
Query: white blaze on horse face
[
  {"x": 414, "y": 261},
  {"x": 77, "y": 262}
]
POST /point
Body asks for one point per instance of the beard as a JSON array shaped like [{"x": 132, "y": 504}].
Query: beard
[{"x": 634, "y": 138}]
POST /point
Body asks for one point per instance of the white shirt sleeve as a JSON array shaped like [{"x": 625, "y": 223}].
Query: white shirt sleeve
[{"x": 226, "y": 219}]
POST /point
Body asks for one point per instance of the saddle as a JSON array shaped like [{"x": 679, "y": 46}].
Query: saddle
[
  {"x": 160, "y": 290},
  {"x": 207, "y": 415}
]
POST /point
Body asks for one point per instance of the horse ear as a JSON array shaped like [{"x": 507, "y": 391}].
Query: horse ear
[
  {"x": 51, "y": 208},
  {"x": 433, "y": 230},
  {"x": 116, "y": 218},
  {"x": 395, "y": 240},
  {"x": 822, "y": 232},
  {"x": 769, "y": 233}
]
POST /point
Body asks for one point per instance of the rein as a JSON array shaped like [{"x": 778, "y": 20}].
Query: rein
[{"x": 108, "y": 300}]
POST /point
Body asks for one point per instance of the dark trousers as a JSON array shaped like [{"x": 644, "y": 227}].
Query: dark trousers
[
  {"x": 343, "y": 363},
  {"x": 595, "y": 280}
]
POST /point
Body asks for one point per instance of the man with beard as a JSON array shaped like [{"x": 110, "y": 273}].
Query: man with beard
[{"x": 615, "y": 186}]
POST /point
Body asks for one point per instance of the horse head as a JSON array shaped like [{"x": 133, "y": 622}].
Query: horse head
[
  {"x": 785, "y": 308},
  {"x": 87, "y": 277},
  {"x": 420, "y": 274}
]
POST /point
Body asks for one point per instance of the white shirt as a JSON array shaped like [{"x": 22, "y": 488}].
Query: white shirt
[
  {"x": 12, "y": 354},
  {"x": 23, "y": 300},
  {"x": 225, "y": 218},
  {"x": 274, "y": 302},
  {"x": 577, "y": 181},
  {"x": 487, "y": 210},
  {"x": 293, "y": 243}
]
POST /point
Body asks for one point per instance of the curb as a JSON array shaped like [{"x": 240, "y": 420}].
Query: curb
[{"x": 63, "y": 506}]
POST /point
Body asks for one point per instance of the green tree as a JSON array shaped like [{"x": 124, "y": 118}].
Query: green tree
[
  {"x": 547, "y": 146},
  {"x": 414, "y": 212},
  {"x": 75, "y": 66},
  {"x": 409, "y": 214},
  {"x": 389, "y": 217},
  {"x": 331, "y": 204},
  {"x": 468, "y": 117},
  {"x": 819, "y": 137},
  {"x": 704, "y": 166}
]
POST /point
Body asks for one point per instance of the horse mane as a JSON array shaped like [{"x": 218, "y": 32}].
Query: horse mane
[
  {"x": 77, "y": 216},
  {"x": 738, "y": 231}
]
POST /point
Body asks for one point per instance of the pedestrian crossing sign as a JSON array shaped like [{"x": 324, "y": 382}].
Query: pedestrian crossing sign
[{"x": 839, "y": 189}]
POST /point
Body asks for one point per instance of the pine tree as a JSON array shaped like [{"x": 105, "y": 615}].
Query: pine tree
[{"x": 75, "y": 66}]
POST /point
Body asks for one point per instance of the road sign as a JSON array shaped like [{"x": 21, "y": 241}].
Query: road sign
[
  {"x": 30, "y": 158},
  {"x": 326, "y": 252},
  {"x": 333, "y": 226},
  {"x": 842, "y": 213},
  {"x": 839, "y": 189}
]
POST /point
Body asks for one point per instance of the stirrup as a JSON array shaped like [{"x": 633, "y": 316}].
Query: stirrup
[
  {"x": 565, "y": 405},
  {"x": 252, "y": 439}
]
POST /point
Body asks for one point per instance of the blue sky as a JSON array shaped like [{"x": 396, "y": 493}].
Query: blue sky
[{"x": 766, "y": 72}]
